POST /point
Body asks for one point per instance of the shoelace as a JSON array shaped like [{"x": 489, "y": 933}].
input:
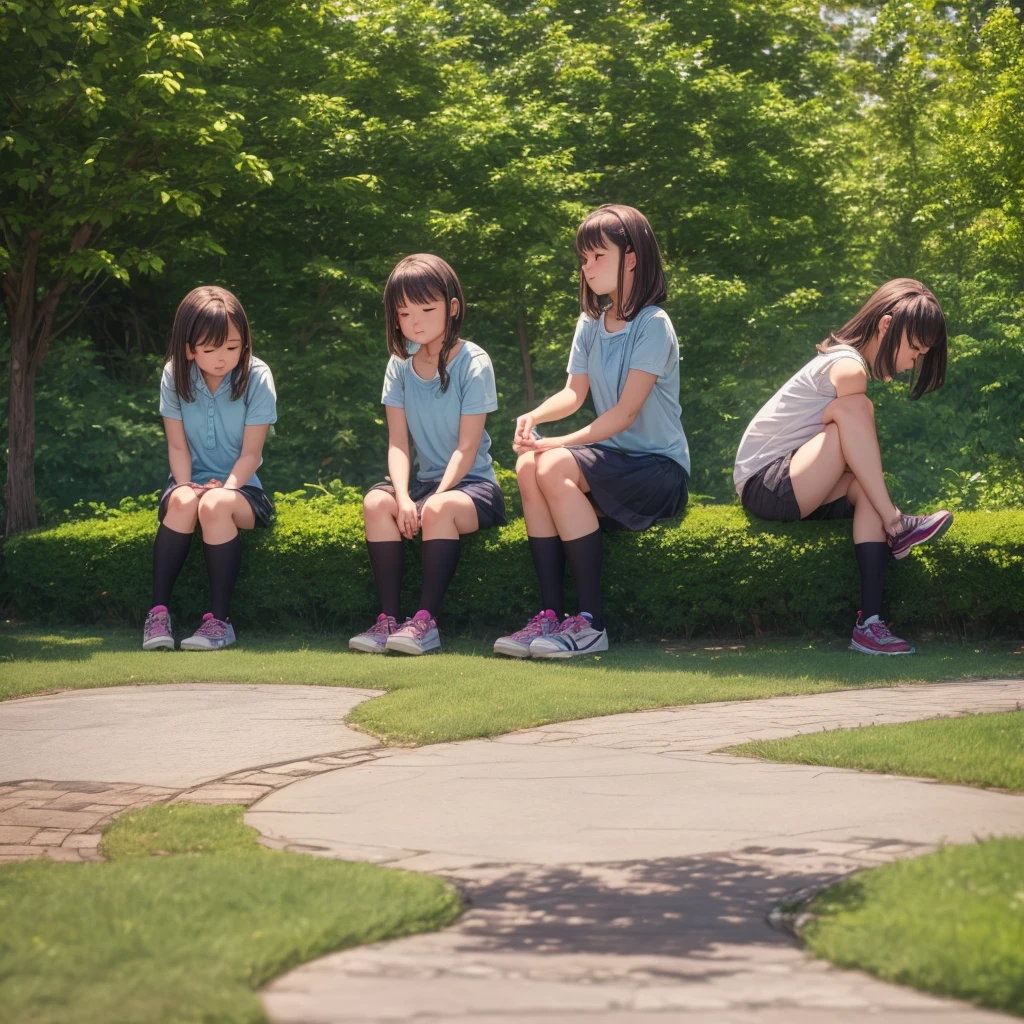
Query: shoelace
[
  {"x": 418, "y": 627},
  {"x": 213, "y": 628},
  {"x": 570, "y": 623},
  {"x": 159, "y": 623},
  {"x": 382, "y": 628},
  {"x": 535, "y": 627},
  {"x": 880, "y": 631}
]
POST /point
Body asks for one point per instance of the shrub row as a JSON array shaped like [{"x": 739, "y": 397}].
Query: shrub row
[{"x": 715, "y": 569}]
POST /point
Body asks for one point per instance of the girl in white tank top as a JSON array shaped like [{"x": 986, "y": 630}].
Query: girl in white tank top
[{"x": 812, "y": 452}]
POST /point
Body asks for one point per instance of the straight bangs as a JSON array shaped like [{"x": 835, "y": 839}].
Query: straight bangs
[
  {"x": 204, "y": 318},
  {"x": 628, "y": 230},
  {"x": 921, "y": 320},
  {"x": 420, "y": 280}
]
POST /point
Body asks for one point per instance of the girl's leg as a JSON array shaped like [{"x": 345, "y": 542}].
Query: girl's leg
[
  {"x": 386, "y": 548},
  {"x": 848, "y": 444},
  {"x": 222, "y": 513},
  {"x": 565, "y": 490},
  {"x": 872, "y": 551},
  {"x": 443, "y": 520},
  {"x": 173, "y": 540},
  {"x": 545, "y": 545}
]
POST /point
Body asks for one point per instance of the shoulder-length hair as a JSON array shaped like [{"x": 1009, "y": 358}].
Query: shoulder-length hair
[
  {"x": 421, "y": 279},
  {"x": 204, "y": 318},
  {"x": 917, "y": 315},
  {"x": 629, "y": 231}
]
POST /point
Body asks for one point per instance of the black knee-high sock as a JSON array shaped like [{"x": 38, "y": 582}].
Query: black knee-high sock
[
  {"x": 549, "y": 561},
  {"x": 169, "y": 554},
  {"x": 872, "y": 559},
  {"x": 222, "y": 564},
  {"x": 386, "y": 560},
  {"x": 440, "y": 557},
  {"x": 584, "y": 555}
]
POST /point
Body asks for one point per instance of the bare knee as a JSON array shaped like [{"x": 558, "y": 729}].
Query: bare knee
[
  {"x": 526, "y": 469},
  {"x": 433, "y": 513},
  {"x": 215, "y": 505},
  {"x": 378, "y": 504},
  {"x": 552, "y": 472},
  {"x": 859, "y": 406},
  {"x": 183, "y": 500}
]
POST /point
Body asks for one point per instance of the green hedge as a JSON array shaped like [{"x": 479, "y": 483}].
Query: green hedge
[{"x": 715, "y": 569}]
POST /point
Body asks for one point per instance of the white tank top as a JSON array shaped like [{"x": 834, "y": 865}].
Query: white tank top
[{"x": 792, "y": 416}]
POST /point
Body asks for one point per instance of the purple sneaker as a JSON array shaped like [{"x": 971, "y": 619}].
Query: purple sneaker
[
  {"x": 212, "y": 635},
  {"x": 873, "y": 637},
  {"x": 517, "y": 645},
  {"x": 374, "y": 640},
  {"x": 157, "y": 632},
  {"x": 916, "y": 530},
  {"x": 416, "y": 635},
  {"x": 575, "y": 635}
]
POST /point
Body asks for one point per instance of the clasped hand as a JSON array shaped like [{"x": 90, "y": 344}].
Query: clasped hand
[{"x": 524, "y": 441}]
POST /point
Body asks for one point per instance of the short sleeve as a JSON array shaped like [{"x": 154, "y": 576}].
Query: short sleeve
[
  {"x": 479, "y": 393},
  {"x": 261, "y": 398},
  {"x": 170, "y": 403},
  {"x": 394, "y": 384},
  {"x": 656, "y": 347},
  {"x": 579, "y": 354}
]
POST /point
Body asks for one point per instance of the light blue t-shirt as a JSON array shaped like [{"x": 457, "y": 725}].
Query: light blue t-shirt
[
  {"x": 213, "y": 424},
  {"x": 433, "y": 415},
  {"x": 648, "y": 342}
]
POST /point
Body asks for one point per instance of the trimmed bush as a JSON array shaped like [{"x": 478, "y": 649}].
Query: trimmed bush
[{"x": 715, "y": 569}]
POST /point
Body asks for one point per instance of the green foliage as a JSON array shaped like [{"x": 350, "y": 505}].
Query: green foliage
[{"x": 714, "y": 569}]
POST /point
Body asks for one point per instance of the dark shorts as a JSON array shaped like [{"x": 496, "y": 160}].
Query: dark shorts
[
  {"x": 631, "y": 492},
  {"x": 262, "y": 506},
  {"x": 768, "y": 494},
  {"x": 487, "y": 496}
]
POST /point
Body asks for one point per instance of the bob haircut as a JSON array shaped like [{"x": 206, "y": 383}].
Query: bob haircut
[
  {"x": 628, "y": 230},
  {"x": 421, "y": 279},
  {"x": 915, "y": 314},
  {"x": 204, "y": 318}
]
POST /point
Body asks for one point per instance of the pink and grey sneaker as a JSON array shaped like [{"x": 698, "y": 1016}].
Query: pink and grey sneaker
[
  {"x": 575, "y": 635},
  {"x": 517, "y": 645},
  {"x": 873, "y": 637},
  {"x": 416, "y": 635},
  {"x": 212, "y": 635},
  {"x": 375, "y": 639},
  {"x": 916, "y": 530},
  {"x": 156, "y": 634}
]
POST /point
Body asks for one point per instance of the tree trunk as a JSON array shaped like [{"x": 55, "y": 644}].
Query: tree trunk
[{"x": 524, "y": 352}]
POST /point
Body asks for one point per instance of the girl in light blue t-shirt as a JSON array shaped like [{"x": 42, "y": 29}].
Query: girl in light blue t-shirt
[
  {"x": 438, "y": 390},
  {"x": 629, "y": 467}
]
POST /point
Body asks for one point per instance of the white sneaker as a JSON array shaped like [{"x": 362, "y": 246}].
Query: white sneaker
[
  {"x": 415, "y": 636},
  {"x": 212, "y": 635},
  {"x": 374, "y": 640},
  {"x": 517, "y": 645},
  {"x": 574, "y": 636}
]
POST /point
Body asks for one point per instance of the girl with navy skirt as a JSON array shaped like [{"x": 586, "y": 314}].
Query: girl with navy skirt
[
  {"x": 438, "y": 390},
  {"x": 629, "y": 467}
]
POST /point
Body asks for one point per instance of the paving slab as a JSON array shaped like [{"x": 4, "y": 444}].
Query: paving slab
[
  {"x": 175, "y": 736},
  {"x": 619, "y": 869}
]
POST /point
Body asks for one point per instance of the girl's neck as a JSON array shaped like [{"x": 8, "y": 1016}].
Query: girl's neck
[{"x": 212, "y": 382}]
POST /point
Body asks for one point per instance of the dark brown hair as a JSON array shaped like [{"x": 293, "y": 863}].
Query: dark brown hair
[
  {"x": 628, "y": 230},
  {"x": 203, "y": 318},
  {"x": 916, "y": 314},
  {"x": 422, "y": 279}
]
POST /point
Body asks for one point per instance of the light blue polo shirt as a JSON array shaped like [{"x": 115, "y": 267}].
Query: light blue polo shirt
[
  {"x": 433, "y": 415},
  {"x": 648, "y": 342},
  {"x": 213, "y": 424}
]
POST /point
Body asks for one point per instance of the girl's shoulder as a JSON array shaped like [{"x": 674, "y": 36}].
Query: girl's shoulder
[
  {"x": 475, "y": 352},
  {"x": 258, "y": 368},
  {"x": 828, "y": 354}
]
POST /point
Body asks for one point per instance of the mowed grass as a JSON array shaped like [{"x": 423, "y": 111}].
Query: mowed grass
[
  {"x": 468, "y": 692},
  {"x": 191, "y": 933},
  {"x": 951, "y": 922},
  {"x": 976, "y": 750}
]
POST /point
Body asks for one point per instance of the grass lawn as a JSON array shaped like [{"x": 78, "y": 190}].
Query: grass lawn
[
  {"x": 190, "y": 934},
  {"x": 468, "y": 692},
  {"x": 951, "y": 922},
  {"x": 976, "y": 750}
]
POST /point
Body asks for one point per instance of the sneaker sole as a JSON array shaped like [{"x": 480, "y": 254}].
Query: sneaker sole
[
  {"x": 511, "y": 650},
  {"x": 410, "y": 647},
  {"x": 186, "y": 646},
  {"x": 365, "y": 647},
  {"x": 854, "y": 646},
  {"x": 566, "y": 654},
  {"x": 934, "y": 535},
  {"x": 161, "y": 643}
]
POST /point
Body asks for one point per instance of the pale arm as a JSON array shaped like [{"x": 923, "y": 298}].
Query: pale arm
[
  {"x": 399, "y": 469},
  {"x": 471, "y": 429},
  {"x": 253, "y": 438},
  {"x": 178, "y": 455},
  {"x": 561, "y": 404}
]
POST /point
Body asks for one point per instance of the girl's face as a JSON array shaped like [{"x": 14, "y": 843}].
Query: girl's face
[
  {"x": 218, "y": 362},
  {"x": 600, "y": 267},
  {"x": 909, "y": 355},
  {"x": 424, "y": 324}
]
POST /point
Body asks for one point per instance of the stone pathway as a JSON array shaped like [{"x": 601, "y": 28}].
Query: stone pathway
[{"x": 619, "y": 870}]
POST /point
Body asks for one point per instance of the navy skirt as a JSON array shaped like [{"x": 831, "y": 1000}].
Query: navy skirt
[
  {"x": 262, "y": 507},
  {"x": 487, "y": 496},
  {"x": 631, "y": 492}
]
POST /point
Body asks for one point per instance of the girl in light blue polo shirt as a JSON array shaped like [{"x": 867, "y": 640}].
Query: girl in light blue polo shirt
[
  {"x": 217, "y": 402},
  {"x": 438, "y": 390},
  {"x": 626, "y": 469}
]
